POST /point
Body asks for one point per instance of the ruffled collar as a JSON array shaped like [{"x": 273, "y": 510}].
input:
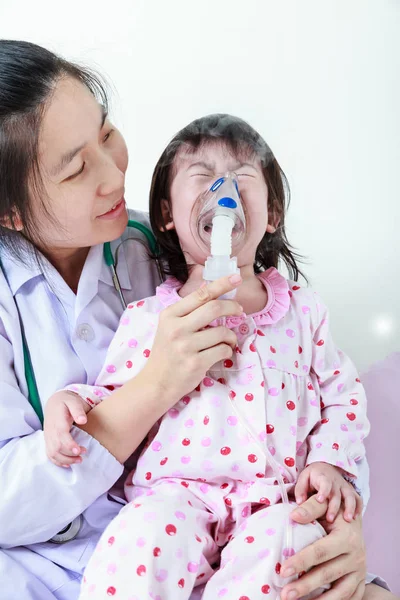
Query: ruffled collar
[{"x": 276, "y": 308}]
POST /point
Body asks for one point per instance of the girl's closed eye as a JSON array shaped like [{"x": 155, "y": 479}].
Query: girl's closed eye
[
  {"x": 107, "y": 136},
  {"x": 245, "y": 175}
]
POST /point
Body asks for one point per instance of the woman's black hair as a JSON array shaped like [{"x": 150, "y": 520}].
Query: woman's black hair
[
  {"x": 28, "y": 76},
  {"x": 240, "y": 139}
]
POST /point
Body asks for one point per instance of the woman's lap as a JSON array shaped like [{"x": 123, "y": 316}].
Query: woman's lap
[{"x": 25, "y": 574}]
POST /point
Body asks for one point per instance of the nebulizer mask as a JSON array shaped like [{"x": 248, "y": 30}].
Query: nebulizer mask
[{"x": 219, "y": 226}]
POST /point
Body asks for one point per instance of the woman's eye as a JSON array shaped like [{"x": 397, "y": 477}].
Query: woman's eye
[
  {"x": 76, "y": 174},
  {"x": 245, "y": 175}
]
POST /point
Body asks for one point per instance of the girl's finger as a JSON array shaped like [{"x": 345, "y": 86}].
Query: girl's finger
[
  {"x": 302, "y": 486},
  {"x": 323, "y": 487},
  {"x": 349, "y": 498},
  {"x": 66, "y": 443},
  {"x": 63, "y": 460},
  {"x": 334, "y": 505},
  {"x": 359, "y": 505},
  {"x": 76, "y": 409}
]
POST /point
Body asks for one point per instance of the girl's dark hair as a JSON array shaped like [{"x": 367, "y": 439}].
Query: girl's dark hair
[
  {"x": 28, "y": 76},
  {"x": 241, "y": 140}
]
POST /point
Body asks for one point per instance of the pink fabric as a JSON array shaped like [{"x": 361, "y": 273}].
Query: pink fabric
[
  {"x": 168, "y": 547},
  {"x": 287, "y": 395},
  {"x": 381, "y": 520}
]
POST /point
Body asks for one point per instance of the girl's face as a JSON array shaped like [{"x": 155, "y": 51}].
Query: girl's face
[
  {"x": 195, "y": 173},
  {"x": 82, "y": 161}
]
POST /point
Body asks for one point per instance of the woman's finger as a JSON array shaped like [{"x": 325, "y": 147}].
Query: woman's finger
[
  {"x": 213, "y": 355},
  {"x": 310, "y": 510},
  {"x": 212, "y": 337},
  {"x": 212, "y": 311},
  {"x": 318, "y": 577},
  {"x": 319, "y": 552},
  {"x": 343, "y": 589},
  {"x": 204, "y": 294}
]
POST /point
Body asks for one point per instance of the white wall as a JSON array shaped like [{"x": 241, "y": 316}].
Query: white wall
[{"x": 319, "y": 79}]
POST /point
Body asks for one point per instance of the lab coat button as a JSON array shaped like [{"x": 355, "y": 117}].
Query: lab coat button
[{"x": 85, "y": 332}]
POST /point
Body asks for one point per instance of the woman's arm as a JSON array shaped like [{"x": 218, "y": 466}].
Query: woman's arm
[{"x": 182, "y": 353}]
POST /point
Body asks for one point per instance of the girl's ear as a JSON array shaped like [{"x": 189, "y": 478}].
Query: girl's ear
[
  {"x": 273, "y": 221},
  {"x": 167, "y": 217}
]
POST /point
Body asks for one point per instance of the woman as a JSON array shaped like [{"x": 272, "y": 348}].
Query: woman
[{"x": 62, "y": 171}]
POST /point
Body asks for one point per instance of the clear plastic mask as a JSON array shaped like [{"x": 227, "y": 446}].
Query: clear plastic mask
[{"x": 222, "y": 198}]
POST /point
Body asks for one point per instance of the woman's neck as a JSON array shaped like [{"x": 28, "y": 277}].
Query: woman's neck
[
  {"x": 69, "y": 263},
  {"x": 251, "y": 294}
]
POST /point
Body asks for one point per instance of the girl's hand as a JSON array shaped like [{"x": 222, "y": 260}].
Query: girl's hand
[
  {"x": 61, "y": 411},
  {"x": 338, "y": 559},
  {"x": 185, "y": 348},
  {"x": 328, "y": 482}
]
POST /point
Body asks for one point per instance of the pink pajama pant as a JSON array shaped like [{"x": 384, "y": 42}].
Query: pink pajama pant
[{"x": 164, "y": 545}]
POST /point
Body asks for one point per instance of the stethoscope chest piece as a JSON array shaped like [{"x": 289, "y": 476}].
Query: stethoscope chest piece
[{"x": 69, "y": 532}]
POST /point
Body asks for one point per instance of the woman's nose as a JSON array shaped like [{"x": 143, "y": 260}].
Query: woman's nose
[{"x": 112, "y": 179}]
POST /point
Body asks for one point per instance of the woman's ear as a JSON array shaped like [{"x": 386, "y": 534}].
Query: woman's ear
[
  {"x": 167, "y": 217},
  {"x": 12, "y": 222}
]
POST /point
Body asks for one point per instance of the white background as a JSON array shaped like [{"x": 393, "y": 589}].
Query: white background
[{"x": 318, "y": 78}]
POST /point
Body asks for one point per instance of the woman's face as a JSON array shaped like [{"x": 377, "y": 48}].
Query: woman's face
[{"x": 82, "y": 160}]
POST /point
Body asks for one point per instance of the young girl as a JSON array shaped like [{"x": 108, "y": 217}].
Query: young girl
[{"x": 205, "y": 504}]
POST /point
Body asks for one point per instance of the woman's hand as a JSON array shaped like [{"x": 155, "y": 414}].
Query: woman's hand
[
  {"x": 185, "y": 348},
  {"x": 338, "y": 559}
]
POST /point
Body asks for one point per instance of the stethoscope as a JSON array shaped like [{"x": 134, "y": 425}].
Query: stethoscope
[{"x": 112, "y": 263}]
